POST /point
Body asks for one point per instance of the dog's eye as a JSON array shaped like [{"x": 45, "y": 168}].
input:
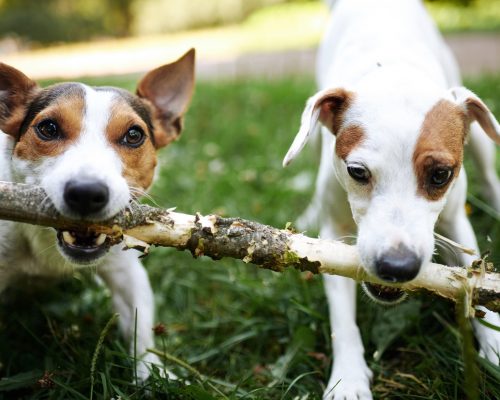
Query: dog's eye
[
  {"x": 440, "y": 176},
  {"x": 359, "y": 173},
  {"x": 134, "y": 137},
  {"x": 47, "y": 130}
]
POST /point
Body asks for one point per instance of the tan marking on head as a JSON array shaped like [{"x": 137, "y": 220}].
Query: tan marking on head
[
  {"x": 347, "y": 139},
  {"x": 440, "y": 145},
  {"x": 138, "y": 163},
  {"x": 67, "y": 112},
  {"x": 333, "y": 106}
]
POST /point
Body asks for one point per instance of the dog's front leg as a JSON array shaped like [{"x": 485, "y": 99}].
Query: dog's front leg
[
  {"x": 350, "y": 377},
  {"x": 455, "y": 224},
  {"x": 460, "y": 230},
  {"x": 133, "y": 298}
]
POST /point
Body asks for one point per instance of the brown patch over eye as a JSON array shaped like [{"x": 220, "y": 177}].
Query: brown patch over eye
[
  {"x": 439, "y": 151},
  {"x": 130, "y": 136},
  {"x": 347, "y": 139},
  {"x": 65, "y": 114}
]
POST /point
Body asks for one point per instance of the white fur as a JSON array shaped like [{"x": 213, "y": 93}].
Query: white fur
[
  {"x": 31, "y": 250},
  {"x": 391, "y": 56}
]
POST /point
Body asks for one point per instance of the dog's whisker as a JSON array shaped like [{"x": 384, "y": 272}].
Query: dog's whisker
[
  {"x": 53, "y": 245},
  {"x": 449, "y": 250},
  {"x": 349, "y": 239},
  {"x": 46, "y": 203},
  {"x": 454, "y": 244},
  {"x": 441, "y": 241},
  {"x": 138, "y": 192},
  {"x": 135, "y": 202}
]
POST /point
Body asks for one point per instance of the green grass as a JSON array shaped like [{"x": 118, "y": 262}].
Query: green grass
[
  {"x": 480, "y": 16},
  {"x": 251, "y": 334}
]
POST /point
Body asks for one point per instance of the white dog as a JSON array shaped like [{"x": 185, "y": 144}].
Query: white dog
[
  {"x": 394, "y": 120},
  {"x": 93, "y": 150}
]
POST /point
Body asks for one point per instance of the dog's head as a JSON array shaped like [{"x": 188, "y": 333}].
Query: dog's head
[
  {"x": 397, "y": 156},
  {"x": 92, "y": 149}
]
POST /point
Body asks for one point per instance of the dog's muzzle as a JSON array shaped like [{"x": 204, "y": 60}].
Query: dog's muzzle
[
  {"x": 399, "y": 264},
  {"x": 86, "y": 198}
]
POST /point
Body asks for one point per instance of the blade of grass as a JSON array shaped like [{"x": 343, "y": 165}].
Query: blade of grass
[
  {"x": 178, "y": 361},
  {"x": 97, "y": 350},
  {"x": 135, "y": 347},
  {"x": 487, "y": 209},
  {"x": 298, "y": 378},
  {"x": 469, "y": 354},
  {"x": 186, "y": 366},
  {"x": 488, "y": 324},
  {"x": 20, "y": 380},
  {"x": 75, "y": 394}
]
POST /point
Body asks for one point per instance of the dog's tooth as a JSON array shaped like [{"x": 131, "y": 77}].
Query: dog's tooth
[
  {"x": 68, "y": 237},
  {"x": 100, "y": 239}
]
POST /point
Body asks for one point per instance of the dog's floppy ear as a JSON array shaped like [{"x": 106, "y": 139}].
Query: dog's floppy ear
[
  {"x": 476, "y": 110},
  {"x": 169, "y": 88},
  {"x": 326, "y": 107},
  {"x": 16, "y": 90}
]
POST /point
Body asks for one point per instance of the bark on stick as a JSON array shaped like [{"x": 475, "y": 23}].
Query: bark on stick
[{"x": 277, "y": 249}]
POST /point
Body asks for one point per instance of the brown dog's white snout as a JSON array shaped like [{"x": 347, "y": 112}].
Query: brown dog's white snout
[
  {"x": 399, "y": 264},
  {"x": 86, "y": 196}
]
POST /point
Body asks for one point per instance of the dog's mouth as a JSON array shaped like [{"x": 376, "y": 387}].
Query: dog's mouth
[
  {"x": 384, "y": 294},
  {"x": 83, "y": 247}
]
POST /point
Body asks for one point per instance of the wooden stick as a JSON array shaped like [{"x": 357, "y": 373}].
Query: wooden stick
[{"x": 141, "y": 226}]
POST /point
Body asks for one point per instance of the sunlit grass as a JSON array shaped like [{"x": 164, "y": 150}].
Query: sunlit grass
[{"x": 481, "y": 16}]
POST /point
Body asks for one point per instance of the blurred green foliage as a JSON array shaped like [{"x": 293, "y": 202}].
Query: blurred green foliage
[
  {"x": 49, "y": 21},
  {"x": 457, "y": 2},
  {"x": 64, "y": 20},
  {"x": 192, "y": 13},
  {"x": 52, "y": 21}
]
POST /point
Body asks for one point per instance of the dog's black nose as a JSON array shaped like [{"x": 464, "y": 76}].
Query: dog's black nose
[
  {"x": 398, "y": 265},
  {"x": 86, "y": 196}
]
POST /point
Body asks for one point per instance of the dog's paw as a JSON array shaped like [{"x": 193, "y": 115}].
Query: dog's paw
[
  {"x": 145, "y": 364},
  {"x": 349, "y": 382}
]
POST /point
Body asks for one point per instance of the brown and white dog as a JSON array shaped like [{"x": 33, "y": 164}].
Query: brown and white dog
[
  {"x": 394, "y": 122},
  {"x": 93, "y": 150}
]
